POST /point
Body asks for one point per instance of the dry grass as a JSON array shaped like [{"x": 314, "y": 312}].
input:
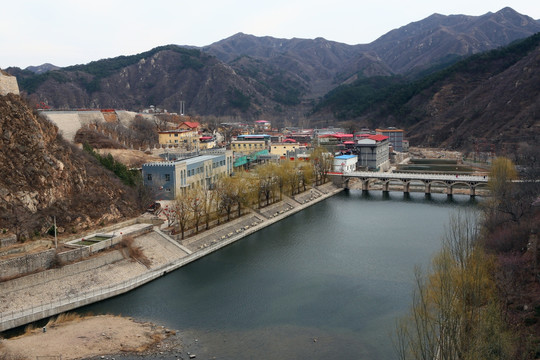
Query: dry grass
[
  {"x": 155, "y": 339},
  {"x": 55, "y": 321},
  {"x": 64, "y": 318},
  {"x": 135, "y": 252}
]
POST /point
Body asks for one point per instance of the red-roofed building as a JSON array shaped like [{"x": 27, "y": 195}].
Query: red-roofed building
[
  {"x": 262, "y": 125},
  {"x": 206, "y": 142},
  {"x": 189, "y": 125},
  {"x": 343, "y": 136},
  {"x": 372, "y": 151},
  {"x": 377, "y": 137},
  {"x": 284, "y": 147}
]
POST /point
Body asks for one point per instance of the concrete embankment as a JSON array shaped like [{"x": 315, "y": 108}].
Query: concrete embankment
[{"x": 35, "y": 300}]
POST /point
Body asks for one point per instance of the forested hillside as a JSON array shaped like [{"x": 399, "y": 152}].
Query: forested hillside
[{"x": 493, "y": 95}]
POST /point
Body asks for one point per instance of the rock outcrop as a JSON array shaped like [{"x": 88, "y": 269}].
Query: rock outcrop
[{"x": 43, "y": 176}]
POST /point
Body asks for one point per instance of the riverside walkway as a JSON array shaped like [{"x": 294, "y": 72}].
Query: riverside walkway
[
  {"x": 51, "y": 292},
  {"x": 450, "y": 182}
]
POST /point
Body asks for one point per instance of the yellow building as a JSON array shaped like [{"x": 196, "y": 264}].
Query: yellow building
[
  {"x": 248, "y": 146},
  {"x": 182, "y": 138},
  {"x": 282, "y": 148}
]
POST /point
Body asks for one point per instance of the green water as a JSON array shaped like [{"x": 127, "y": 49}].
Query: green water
[{"x": 340, "y": 272}]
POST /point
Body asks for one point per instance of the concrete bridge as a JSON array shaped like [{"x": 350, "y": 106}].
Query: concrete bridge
[{"x": 450, "y": 182}]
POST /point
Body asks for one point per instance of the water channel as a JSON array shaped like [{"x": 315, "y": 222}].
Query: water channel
[{"x": 328, "y": 282}]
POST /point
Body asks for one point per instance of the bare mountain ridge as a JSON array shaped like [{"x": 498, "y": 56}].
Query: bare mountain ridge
[
  {"x": 162, "y": 77},
  {"x": 437, "y": 37},
  {"x": 43, "y": 68},
  {"x": 249, "y": 77},
  {"x": 318, "y": 62},
  {"x": 416, "y": 45}
]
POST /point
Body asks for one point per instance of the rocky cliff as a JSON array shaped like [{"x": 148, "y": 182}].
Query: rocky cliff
[{"x": 43, "y": 176}]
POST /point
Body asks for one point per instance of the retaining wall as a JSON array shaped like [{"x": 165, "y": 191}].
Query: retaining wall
[
  {"x": 26, "y": 264},
  {"x": 73, "y": 255},
  {"x": 47, "y": 275},
  {"x": 8, "y": 241},
  {"x": 9, "y": 321}
]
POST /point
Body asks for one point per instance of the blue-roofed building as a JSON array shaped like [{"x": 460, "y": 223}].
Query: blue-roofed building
[
  {"x": 169, "y": 179},
  {"x": 344, "y": 163}
]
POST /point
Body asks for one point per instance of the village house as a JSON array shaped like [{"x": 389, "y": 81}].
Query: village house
[{"x": 169, "y": 179}]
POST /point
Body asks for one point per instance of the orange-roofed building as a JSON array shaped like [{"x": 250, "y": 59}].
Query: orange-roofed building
[{"x": 395, "y": 137}]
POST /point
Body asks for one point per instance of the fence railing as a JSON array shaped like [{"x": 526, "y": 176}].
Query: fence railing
[
  {"x": 9, "y": 320},
  {"x": 13, "y": 319}
]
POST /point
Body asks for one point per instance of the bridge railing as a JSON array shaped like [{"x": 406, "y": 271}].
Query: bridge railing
[{"x": 414, "y": 176}]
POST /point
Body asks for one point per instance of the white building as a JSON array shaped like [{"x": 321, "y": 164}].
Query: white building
[{"x": 344, "y": 164}]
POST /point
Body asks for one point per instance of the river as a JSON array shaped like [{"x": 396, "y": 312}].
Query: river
[{"x": 328, "y": 282}]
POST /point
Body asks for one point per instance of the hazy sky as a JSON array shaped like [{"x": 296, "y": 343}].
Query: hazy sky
[{"x": 69, "y": 32}]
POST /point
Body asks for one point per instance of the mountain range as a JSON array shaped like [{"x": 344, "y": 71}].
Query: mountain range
[{"x": 288, "y": 81}]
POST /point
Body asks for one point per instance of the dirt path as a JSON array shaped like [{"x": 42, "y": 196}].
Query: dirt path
[{"x": 92, "y": 336}]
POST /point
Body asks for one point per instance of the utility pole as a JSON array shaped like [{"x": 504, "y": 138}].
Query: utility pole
[{"x": 55, "y": 238}]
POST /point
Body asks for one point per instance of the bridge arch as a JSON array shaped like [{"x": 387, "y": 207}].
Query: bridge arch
[
  {"x": 467, "y": 185},
  {"x": 474, "y": 187},
  {"x": 438, "y": 182}
]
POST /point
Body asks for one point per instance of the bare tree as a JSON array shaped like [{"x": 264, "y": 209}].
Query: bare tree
[
  {"x": 196, "y": 197},
  {"x": 455, "y": 313},
  {"x": 322, "y": 164},
  {"x": 182, "y": 211}
]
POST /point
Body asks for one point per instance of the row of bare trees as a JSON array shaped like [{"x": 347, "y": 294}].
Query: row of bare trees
[{"x": 232, "y": 195}]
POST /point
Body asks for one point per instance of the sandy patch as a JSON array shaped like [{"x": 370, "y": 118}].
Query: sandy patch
[
  {"x": 129, "y": 157},
  {"x": 82, "y": 338}
]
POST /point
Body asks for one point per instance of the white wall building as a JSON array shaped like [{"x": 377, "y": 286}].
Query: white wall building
[{"x": 344, "y": 164}]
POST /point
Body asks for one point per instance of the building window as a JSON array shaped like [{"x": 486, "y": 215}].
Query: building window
[
  {"x": 149, "y": 177},
  {"x": 167, "y": 177}
]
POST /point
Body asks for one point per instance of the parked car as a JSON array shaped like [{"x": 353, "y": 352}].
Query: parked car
[{"x": 154, "y": 208}]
